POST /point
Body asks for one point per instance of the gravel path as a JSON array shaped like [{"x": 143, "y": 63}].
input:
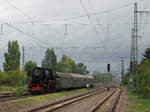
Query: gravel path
[{"x": 86, "y": 104}]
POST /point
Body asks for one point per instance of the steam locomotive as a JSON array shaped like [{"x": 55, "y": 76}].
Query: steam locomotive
[{"x": 43, "y": 80}]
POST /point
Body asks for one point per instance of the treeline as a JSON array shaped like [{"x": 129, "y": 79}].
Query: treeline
[
  {"x": 66, "y": 64},
  {"x": 141, "y": 83},
  {"x": 12, "y": 74},
  {"x": 102, "y": 77}
]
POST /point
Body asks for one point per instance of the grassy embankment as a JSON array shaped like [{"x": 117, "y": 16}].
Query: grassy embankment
[
  {"x": 136, "y": 103},
  {"x": 31, "y": 101}
]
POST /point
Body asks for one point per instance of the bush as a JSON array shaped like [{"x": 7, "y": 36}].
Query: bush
[
  {"x": 143, "y": 87},
  {"x": 11, "y": 78},
  {"x": 102, "y": 77}
]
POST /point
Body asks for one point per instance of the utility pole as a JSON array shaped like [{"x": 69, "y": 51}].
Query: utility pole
[
  {"x": 65, "y": 33},
  {"x": 23, "y": 60},
  {"x": 136, "y": 35},
  {"x": 135, "y": 41},
  {"x": 1, "y": 29},
  {"x": 122, "y": 69},
  {"x": 132, "y": 58},
  {"x": 66, "y": 28}
]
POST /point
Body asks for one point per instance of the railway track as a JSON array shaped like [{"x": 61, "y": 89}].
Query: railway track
[
  {"x": 12, "y": 96},
  {"x": 15, "y": 95},
  {"x": 109, "y": 103},
  {"x": 102, "y": 106},
  {"x": 7, "y": 96},
  {"x": 60, "y": 104}
]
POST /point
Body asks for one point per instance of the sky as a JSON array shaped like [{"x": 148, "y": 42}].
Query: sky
[{"x": 95, "y": 32}]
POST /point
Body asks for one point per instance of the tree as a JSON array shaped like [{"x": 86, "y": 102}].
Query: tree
[
  {"x": 143, "y": 76},
  {"x": 30, "y": 65},
  {"x": 65, "y": 65},
  {"x": 50, "y": 59},
  {"x": 81, "y": 68},
  {"x": 147, "y": 54},
  {"x": 102, "y": 77},
  {"x": 12, "y": 57},
  {"x": 74, "y": 67},
  {"x": 126, "y": 79}
]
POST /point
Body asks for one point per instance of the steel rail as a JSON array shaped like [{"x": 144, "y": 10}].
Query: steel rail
[
  {"x": 116, "y": 101},
  {"x": 13, "y": 96},
  {"x": 102, "y": 102},
  {"x": 16, "y": 95},
  {"x": 57, "y": 105}
]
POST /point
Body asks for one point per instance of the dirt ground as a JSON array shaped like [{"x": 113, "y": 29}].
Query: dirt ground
[{"x": 6, "y": 107}]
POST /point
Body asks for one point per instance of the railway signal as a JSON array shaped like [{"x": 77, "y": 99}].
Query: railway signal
[{"x": 108, "y": 69}]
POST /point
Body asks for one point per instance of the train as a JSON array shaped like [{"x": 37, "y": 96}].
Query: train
[{"x": 44, "y": 80}]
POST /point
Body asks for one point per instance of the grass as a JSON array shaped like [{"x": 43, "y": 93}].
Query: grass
[
  {"x": 12, "y": 88},
  {"x": 137, "y": 104},
  {"x": 31, "y": 101}
]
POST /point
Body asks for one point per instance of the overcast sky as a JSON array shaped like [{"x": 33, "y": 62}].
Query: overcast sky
[{"x": 87, "y": 36}]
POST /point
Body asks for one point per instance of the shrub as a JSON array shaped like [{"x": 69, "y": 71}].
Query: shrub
[
  {"x": 12, "y": 78},
  {"x": 143, "y": 87}
]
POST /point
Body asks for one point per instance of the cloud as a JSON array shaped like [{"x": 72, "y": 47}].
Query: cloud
[{"x": 80, "y": 32}]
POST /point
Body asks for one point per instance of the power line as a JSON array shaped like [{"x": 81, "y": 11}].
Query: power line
[
  {"x": 27, "y": 16},
  {"x": 25, "y": 33},
  {"x": 82, "y": 16},
  {"x": 93, "y": 10},
  {"x": 93, "y": 26},
  {"x": 12, "y": 5},
  {"x": 71, "y": 47}
]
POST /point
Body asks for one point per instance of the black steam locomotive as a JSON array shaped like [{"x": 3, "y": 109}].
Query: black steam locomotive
[{"x": 46, "y": 80}]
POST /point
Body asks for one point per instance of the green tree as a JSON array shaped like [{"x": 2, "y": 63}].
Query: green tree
[
  {"x": 12, "y": 57},
  {"x": 102, "y": 77},
  {"x": 143, "y": 87},
  {"x": 50, "y": 59},
  {"x": 74, "y": 67},
  {"x": 126, "y": 79},
  {"x": 147, "y": 54},
  {"x": 65, "y": 65},
  {"x": 81, "y": 68},
  {"x": 30, "y": 65}
]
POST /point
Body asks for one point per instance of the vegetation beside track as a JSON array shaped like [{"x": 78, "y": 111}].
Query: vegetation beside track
[
  {"x": 141, "y": 81},
  {"x": 32, "y": 101},
  {"x": 12, "y": 78},
  {"x": 4, "y": 88},
  {"x": 137, "y": 104},
  {"x": 102, "y": 77}
]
